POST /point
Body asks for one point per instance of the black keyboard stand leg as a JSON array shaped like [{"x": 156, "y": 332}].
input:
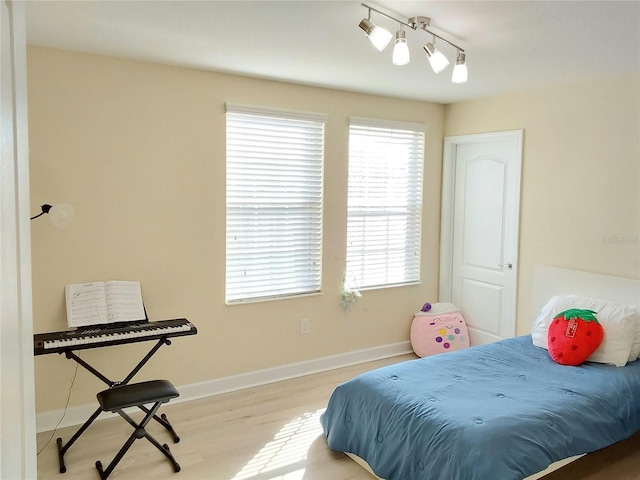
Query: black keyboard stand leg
[
  {"x": 62, "y": 449},
  {"x": 63, "y": 468}
]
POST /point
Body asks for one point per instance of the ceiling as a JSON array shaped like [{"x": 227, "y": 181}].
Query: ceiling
[{"x": 510, "y": 45}]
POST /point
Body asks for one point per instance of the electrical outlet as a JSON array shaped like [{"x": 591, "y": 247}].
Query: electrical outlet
[{"x": 304, "y": 326}]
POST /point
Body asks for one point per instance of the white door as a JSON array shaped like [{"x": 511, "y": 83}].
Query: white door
[
  {"x": 17, "y": 398},
  {"x": 480, "y": 217}
]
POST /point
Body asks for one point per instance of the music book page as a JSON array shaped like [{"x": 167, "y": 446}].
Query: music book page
[{"x": 103, "y": 302}]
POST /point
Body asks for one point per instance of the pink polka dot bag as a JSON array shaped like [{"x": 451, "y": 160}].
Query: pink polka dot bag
[{"x": 439, "y": 330}]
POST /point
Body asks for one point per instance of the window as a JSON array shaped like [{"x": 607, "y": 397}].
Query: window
[
  {"x": 384, "y": 210},
  {"x": 274, "y": 203}
]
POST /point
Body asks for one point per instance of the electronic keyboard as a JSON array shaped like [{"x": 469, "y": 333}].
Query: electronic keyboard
[{"x": 95, "y": 336}]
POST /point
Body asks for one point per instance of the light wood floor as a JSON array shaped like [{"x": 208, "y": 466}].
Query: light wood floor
[{"x": 264, "y": 433}]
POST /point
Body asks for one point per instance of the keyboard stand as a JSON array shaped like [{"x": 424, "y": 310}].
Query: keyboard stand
[{"x": 62, "y": 449}]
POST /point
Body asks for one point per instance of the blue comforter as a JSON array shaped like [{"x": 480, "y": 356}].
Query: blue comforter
[{"x": 494, "y": 412}]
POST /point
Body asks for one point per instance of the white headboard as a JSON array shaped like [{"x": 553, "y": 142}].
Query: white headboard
[{"x": 550, "y": 281}]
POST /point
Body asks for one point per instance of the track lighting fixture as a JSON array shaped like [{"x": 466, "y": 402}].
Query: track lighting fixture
[{"x": 381, "y": 38}]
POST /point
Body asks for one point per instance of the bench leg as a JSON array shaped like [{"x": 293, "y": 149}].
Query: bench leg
[
  {"x": 139, "y": 432},
  {"x": 105, "y": 473},
  {"x": 164, "y": 421},
  {"x": 165, "y": 450}
]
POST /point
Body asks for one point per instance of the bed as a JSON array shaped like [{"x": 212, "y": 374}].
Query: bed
[{"x": 503, "y": 411}]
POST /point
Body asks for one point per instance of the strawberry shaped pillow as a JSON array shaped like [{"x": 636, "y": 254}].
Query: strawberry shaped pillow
[{"x": 574, "y": 335}]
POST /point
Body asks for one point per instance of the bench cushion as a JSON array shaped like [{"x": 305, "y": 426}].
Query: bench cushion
[{"x": 123, "y": 396}]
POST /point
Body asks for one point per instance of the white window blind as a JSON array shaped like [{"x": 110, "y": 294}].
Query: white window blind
[
  {"x": 274, "y": 203},
  {"x": 384, "y": 203}
]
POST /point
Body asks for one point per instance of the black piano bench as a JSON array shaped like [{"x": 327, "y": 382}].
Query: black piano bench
[{"x": 117, "y": 398}]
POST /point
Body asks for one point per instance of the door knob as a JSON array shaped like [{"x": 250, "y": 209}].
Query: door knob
[{"x": 508, "y": 265}]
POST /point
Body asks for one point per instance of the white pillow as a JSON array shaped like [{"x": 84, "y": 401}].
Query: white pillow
[{"x": 620, "y": 324}]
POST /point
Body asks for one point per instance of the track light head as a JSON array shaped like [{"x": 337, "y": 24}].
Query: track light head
[
  {"x": 400, "y": 49},
  {"x": 437, "y": 60},
  {"x": 379, "y": 37},
  {"x": 460, "y": 69},
  {"x": 367, "y": 26}
]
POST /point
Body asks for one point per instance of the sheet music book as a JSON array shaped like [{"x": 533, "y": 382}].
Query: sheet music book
[{"x": 103, "y": 302}]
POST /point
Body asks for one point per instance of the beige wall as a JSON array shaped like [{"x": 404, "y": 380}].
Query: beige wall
[
  {"x": 580, "y": 205},
  {"x": 139, "y": 150}
]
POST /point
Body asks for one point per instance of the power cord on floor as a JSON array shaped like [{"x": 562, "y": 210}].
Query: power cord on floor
[{"x": 55, "y": 429}]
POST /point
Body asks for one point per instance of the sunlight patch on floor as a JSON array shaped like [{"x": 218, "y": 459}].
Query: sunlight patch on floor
[{"x": 284, "y": 457}]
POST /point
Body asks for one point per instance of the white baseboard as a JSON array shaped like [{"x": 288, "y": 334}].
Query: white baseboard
[{"x": 47, "y": 421}]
